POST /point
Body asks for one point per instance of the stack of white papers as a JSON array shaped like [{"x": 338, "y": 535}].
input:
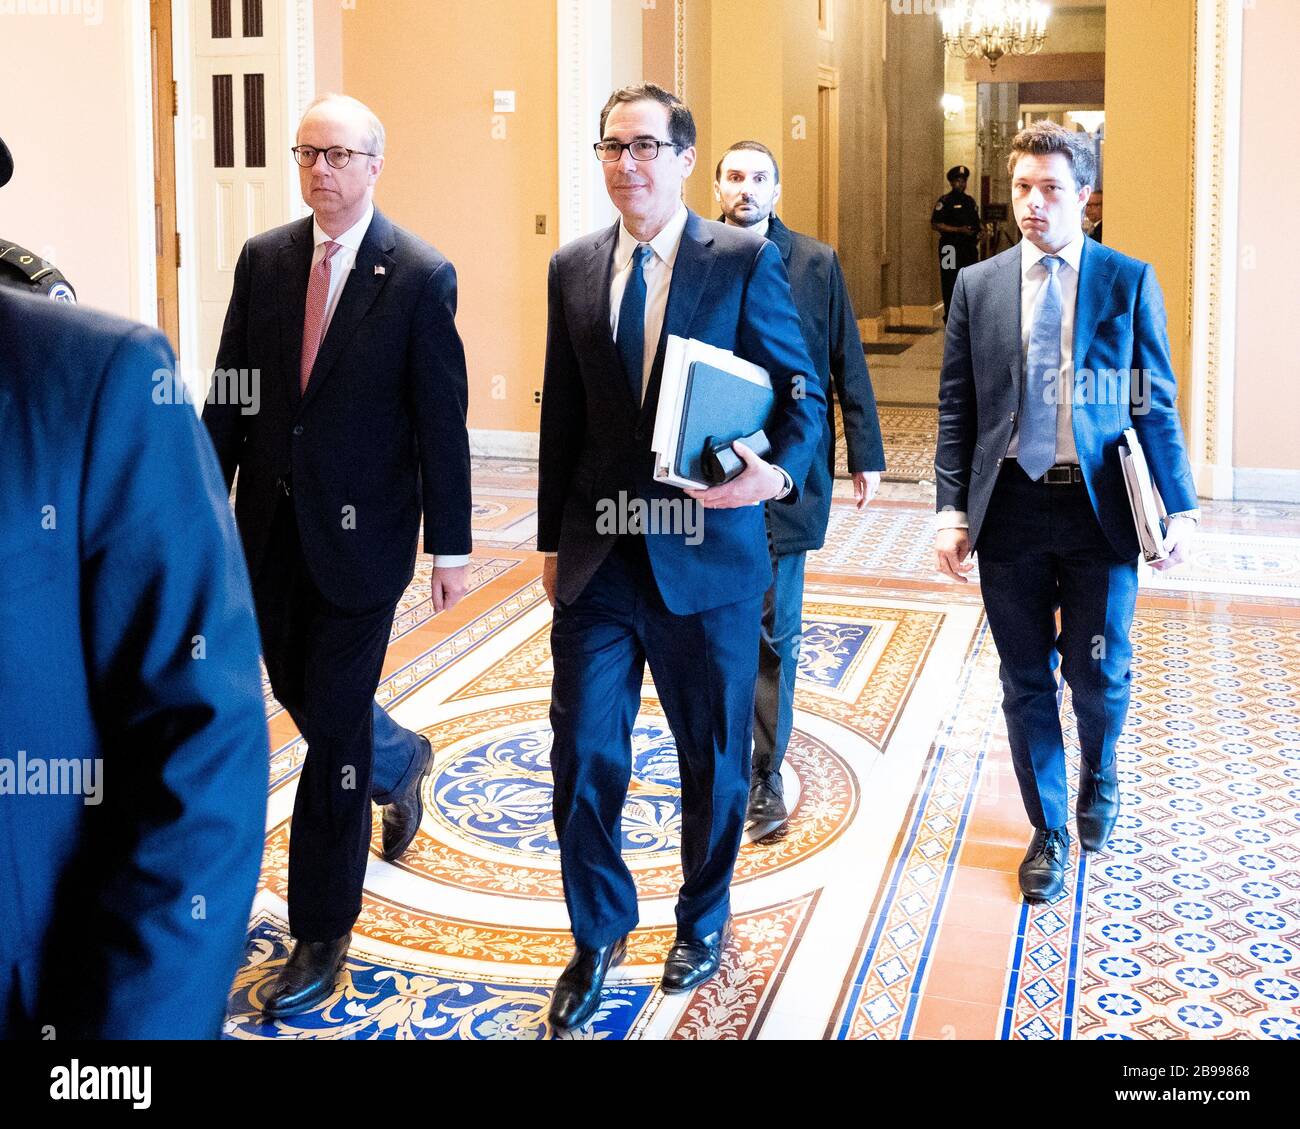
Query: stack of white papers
[
  {"x": 679, "y": 354},
  {"x": 1143, "y": 499}
]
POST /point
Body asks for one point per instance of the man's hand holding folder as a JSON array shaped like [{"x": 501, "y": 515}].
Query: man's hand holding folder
[
  {"x": 759, "y": 482},
  {"x": 1178, "y": 539}
]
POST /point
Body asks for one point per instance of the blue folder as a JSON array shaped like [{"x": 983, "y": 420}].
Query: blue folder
[{"x": 720, "y": 406}]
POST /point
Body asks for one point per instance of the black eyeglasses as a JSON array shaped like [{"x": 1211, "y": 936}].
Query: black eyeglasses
[
  {"x": 642, "y": 149},
  {"x": 337, "y": 156}
]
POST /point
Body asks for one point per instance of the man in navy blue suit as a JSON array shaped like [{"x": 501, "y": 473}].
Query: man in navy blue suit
[
  {"x": 360, "y": 433},
  {"x": 133, "y": 746},
  {"x": 689, "y": 605},
  {"x": 1053, "y": 349}
]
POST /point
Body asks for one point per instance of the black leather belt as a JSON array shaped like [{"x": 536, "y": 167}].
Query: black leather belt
[{"x": 1063, "y": 475}]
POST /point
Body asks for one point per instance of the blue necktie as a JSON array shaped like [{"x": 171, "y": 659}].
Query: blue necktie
[
  {"x": 1037, "y": 452},
  {"x": 631, "y": 323}
]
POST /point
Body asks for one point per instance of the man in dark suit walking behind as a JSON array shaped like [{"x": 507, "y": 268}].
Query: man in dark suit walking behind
[
  {"x": 1054, "y": 348},
  {"x": 747, "y": 184},
  {"x": 689, "y": 605},
  {"x": 350, "y": 322}
]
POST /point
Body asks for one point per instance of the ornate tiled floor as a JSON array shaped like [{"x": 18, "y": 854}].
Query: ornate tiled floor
[{"x": 888, "y": 908}]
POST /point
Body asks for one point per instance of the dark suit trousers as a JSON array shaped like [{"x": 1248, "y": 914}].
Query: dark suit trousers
[
  {"x": 778, "y": 662},
  {"x": 704, "y": 667},
  {"x": 1042, "y": 549},
  {"x": 324, "y": 664}
]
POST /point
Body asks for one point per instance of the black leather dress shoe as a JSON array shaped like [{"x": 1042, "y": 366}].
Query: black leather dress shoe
[
  {"x": 692, "y": 962},
  {"x": 1096, "y": 810},
  {"x": 307, "y": 977},
  {"x": 402, "y": 817},
  {"x": 577, "y": 992},
  {"x": 766, "y": 800},
  {"x": 1042, "y": 874}
]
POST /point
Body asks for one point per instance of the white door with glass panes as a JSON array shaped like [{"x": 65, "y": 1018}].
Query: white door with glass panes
[{"x": 240, "y": 146}]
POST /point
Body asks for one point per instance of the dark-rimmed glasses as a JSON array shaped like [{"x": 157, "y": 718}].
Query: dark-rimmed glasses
[
  {"x": 642, "y": 149},
  {"x": 337, "y": 156}
]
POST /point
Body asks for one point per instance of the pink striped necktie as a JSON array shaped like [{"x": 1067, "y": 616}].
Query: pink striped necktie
[{"x": 313, "y": 326}]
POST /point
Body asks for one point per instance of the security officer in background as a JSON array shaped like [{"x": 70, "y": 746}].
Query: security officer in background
[
  {"x": 956, "y": 218},
  {"x": 20, "y": 269}
]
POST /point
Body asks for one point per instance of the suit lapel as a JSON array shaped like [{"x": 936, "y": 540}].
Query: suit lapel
[
  {"x": 690, "y": 277},
  {"x": 295, "y": 268},
  {"x": 1097, "y": 270},
  {"x": 600, "y": 269},
  {"x": 1006, "y": 314},
  {"x": 779, "y": 234},
  {"x": 373, "y": 268}
]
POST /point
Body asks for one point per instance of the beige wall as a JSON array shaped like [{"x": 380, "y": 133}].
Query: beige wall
[
  {"x": 1268, "y": 296},
  {"x": 748, "y": 99},
  {"x": 67, "y": 82},
  {"x": 1149, "y": 100},
  {"x": 856, "y": 53},
  {"x": 801, "y": 141},
  {"x": 327, "y": 30},
  {"x": 698, "y": 94},
  {"x": 914, "y": 86},
  {"x": 429, "y": 70}
]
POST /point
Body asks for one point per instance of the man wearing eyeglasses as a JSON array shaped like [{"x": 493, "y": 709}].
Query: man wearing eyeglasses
[
  {"x": 685, "y": 599},
  {"x": 349, "y": 324}
]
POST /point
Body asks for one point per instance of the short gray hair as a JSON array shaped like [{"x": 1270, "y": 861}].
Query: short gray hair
[{"x": 376, "y": 137}]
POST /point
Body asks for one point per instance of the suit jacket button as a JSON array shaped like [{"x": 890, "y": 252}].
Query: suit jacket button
[{"x": 298, "y": 430}]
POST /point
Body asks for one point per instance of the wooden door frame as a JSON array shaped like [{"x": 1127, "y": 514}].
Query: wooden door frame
[{"x": 167, "y": 246}]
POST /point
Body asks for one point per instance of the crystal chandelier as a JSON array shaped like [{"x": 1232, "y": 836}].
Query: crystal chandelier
[{"x": 989, "y": 29}]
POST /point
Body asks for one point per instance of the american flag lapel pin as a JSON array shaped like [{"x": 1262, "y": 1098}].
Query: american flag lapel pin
[{"x": 380, "y": 270}]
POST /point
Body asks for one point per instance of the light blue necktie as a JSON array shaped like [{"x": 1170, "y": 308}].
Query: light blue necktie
[
  {"x": 631, "y": 323},
  {"x": 1037, "y": 453}
]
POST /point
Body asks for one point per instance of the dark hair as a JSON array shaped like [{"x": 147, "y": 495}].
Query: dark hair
[
  {"x": 753, "y": 147},
  {"x": 1046, "y": 137},
  {"x": 681, "y": 125}
]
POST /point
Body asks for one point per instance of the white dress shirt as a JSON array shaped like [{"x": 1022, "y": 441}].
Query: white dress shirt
[
  {"x": 1033, "y": 288},
  {"x": 341, "y": 267},
  {"x": 658, "y": 273},
  {"x": 345, "y": 259}
]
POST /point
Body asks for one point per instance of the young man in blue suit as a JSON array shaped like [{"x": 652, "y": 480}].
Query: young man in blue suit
[
  {"x": 688, "y": 605},
  {"x": 747, "y": 184},
  {"x": 360, "y": 432},
  {"x": 133, "y": 749},
  {"x": 1053, "y": 349}
]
